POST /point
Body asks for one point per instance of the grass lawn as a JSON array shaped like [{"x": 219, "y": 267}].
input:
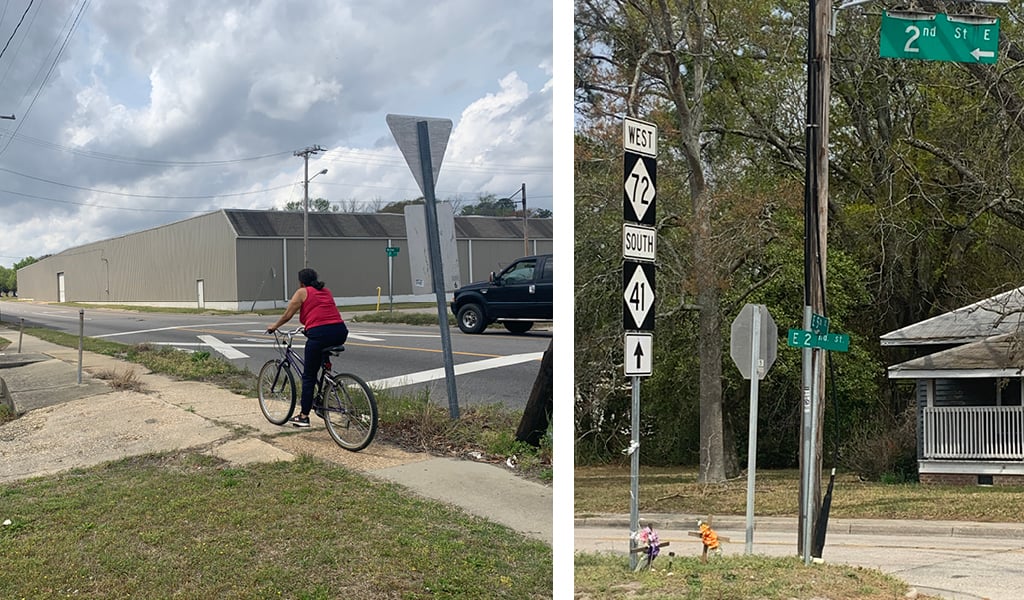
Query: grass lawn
[
  {"x": 731, "y": 578},
  {"x": 188, "y": 526},
  {"x": 605, "y": 489}
]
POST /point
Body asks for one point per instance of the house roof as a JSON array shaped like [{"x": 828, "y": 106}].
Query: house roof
[
  {"x": 998, "y": 356},
  {"x": 997, "y": 315},
  {"x": 263, "y": 223}
]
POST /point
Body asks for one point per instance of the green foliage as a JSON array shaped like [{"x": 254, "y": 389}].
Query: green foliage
[
  {"x": 398, "y": 207},
  {"x": 322, "y": 205},
  {"x": 9, "y": 277}
]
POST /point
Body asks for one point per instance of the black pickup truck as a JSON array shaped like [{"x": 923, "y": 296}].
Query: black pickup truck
[{"x": 518, "y": 296}]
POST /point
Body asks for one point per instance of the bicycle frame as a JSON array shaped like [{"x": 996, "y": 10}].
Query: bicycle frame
[{"x": 292, "y": 358}]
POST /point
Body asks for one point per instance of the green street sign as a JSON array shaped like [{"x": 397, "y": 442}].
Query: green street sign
[
  {"x": 926, "y": 36},
  {"x": 801, "y": 338},
  {"x": 839, "y": 342},
  {"x": 392, "y": 251},
  {"x": 819, "y": 324}
]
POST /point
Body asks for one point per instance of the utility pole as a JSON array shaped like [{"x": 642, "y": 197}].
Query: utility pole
[
  {"x": 526, "y": 224},
  {"x": 815, "y": 254},
  {"x": 304, "y": 153}
]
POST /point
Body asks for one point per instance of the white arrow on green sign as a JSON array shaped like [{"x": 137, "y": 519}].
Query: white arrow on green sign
[{"x": 926, "y": 36}]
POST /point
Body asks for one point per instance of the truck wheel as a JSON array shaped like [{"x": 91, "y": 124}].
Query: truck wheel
[
  {"x": 471, "y": 319},
  {"x": 518, "y": 326}
]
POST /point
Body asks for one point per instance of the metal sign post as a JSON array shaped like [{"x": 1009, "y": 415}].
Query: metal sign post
[
  {"x": 392, "y": 252},
  {"x": 423, "y": 142},
  {"x": 639, "y": 243},
  {"x": 753, "y": 347}
]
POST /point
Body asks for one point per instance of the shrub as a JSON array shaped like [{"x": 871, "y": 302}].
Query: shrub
[{"x": 885, "y": 449}]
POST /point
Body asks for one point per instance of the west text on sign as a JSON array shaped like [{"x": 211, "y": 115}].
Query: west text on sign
[{"x": 640, "y": 137}]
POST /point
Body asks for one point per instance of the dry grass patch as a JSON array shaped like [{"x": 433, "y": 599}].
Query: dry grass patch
[
  {"x": 126, "y": 380},
  {"x": 605, "y": 489}
]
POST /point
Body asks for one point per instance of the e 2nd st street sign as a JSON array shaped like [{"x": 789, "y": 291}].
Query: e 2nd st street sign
[{"x": 924, "y": 36}]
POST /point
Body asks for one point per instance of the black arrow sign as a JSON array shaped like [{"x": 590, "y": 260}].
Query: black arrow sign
[{"x": 639, "y": 354}]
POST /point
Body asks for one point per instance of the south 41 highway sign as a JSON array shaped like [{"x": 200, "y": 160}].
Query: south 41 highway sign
[{"x": 638, "y": 296}]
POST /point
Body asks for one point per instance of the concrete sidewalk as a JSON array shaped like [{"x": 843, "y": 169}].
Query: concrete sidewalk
[
  {"x": 68, "y": 425},
  {"x": 892, "y": 527}
]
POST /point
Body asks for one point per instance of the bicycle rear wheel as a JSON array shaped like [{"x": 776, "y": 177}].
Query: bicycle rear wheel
[
  {"x": 276, "y": 389},
  {"x": 351, "y": 411}
]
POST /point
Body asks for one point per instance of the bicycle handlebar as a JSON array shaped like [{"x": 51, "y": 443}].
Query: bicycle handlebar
[{"x": 278, "y": 334}]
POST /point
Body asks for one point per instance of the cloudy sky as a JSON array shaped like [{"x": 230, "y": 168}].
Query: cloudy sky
[{"x": 133, "y": 114}]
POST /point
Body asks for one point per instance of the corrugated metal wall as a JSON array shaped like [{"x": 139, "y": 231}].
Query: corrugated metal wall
[
  {"x": 161, "y": 266},
  {"x": 158, "y": 266}
]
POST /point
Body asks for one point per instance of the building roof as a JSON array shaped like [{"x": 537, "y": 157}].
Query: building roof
[
  {"x": 997, "y": 315},
  {"x": 263, "y": 223},
  {"x": 999, "y": 356}
]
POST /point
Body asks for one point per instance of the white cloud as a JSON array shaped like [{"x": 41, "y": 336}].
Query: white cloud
[{"x": 146, "y": 92}]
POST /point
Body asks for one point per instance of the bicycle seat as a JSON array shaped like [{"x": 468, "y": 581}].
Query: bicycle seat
[{"x": 334, "y": 350}]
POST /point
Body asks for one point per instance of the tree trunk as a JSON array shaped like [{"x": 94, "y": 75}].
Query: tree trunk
[{"x": 536, "y": 417}]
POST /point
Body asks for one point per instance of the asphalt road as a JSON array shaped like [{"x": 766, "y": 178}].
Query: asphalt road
[{"x": 493, "y": 367}]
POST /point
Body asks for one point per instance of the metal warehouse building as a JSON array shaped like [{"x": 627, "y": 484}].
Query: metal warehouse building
[{"x": 245, "y": 259}]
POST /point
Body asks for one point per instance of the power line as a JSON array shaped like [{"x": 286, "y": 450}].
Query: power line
[
  {"x": 20, "y": 21},
  {"x": 145, "y": 196},
  {"x": 53, "y": 65},
  {"x": 145, "y": 161}
]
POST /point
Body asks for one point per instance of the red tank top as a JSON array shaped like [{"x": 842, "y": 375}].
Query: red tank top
[{"x": 319, "y": 308}]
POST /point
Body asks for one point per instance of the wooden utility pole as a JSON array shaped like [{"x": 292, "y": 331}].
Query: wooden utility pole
[
  {"x": 304, "y": 153},
  {"x": 815, "y": 253}
]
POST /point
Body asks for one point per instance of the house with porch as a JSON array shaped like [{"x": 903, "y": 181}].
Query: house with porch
[{"x": 967, "y": 377}]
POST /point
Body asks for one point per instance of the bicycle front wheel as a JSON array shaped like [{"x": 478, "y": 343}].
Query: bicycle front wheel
[
  {"x": 276, "y": 389},
  {"x": 351, "y": 411}
]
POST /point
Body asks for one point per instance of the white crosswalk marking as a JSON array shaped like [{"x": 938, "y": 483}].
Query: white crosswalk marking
[
  {"x": 224, "y": 348},
  {"x": 473, "y": 367}
]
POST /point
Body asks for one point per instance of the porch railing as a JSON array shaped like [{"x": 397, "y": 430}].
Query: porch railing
[{"x": 974, "y": 432}]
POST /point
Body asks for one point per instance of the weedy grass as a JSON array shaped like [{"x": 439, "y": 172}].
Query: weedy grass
[
  {"x": 410, "y": 420},
  {"x": 187, "y": 525},
  {"x": 415, "y": 423},
  {"x": 603, "y": 489},
  {"x": 406, "y": 318},
  {"x": 126, "y": 379},
  {"x": 599, "y": 576},
  {"x": 4, "y": 343}
]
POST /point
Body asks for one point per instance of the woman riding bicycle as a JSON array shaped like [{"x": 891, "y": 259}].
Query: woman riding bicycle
[{"x": 324, "y": 328}]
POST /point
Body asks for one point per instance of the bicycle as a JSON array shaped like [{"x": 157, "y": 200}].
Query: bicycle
[{"x": 343, "y": 400}]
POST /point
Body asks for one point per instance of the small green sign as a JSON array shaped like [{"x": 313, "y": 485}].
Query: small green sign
[
  {"x": 392, "y": 251},
  {"x": 819, "y": 324},
  {"x": 926, "y": 36}
]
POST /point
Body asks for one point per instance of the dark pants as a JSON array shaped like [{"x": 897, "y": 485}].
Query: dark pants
[{"x": 317, "y": 339}]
